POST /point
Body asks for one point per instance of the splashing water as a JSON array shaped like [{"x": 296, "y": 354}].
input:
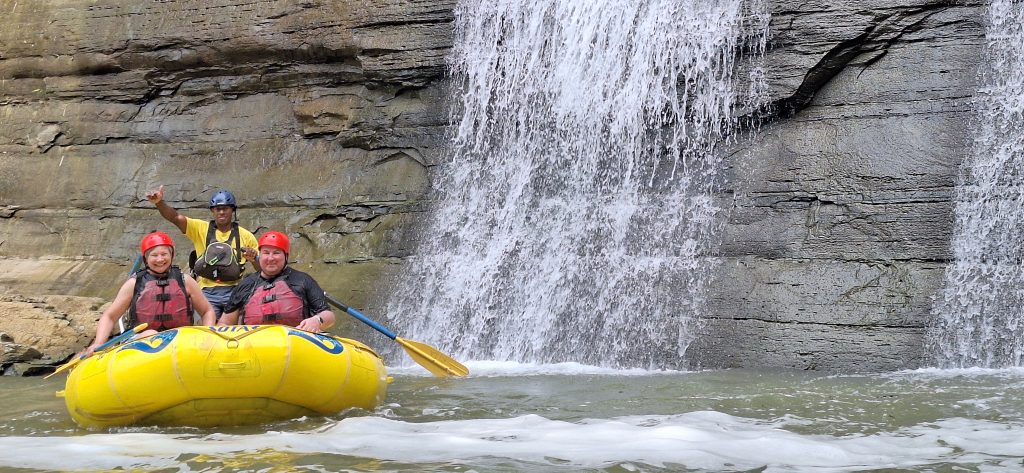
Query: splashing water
[
  {"x": 979, "y": 318},
  {"x": 576, "y": 216}
]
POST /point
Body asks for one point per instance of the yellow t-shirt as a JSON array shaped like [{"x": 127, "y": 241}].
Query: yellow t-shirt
[{"x": 195, "y": 231}]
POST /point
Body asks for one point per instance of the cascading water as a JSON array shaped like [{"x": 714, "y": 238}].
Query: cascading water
[
  {"x": 576, "y": 216},
  {"x": 979, "y": 317}
]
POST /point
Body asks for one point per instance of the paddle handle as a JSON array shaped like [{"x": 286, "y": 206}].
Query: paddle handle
[
  {"x": 362, "y": 318},
  {"x": 136, "y": 265}
]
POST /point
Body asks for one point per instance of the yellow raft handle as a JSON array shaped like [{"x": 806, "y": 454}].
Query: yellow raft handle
[{"x": 226, "y": 365}]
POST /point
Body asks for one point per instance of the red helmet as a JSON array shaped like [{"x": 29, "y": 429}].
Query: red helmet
[
  {"x": 155, "y": 239},
  {"x": 277, "y": 240}
]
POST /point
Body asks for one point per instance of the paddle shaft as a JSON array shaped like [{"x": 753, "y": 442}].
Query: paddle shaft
[
  {"x": 121, "y": 337},
  {"x": 431, "y": 358},
  {"x": 109, "y": 343},
  {"x": 362, "y": 318}
]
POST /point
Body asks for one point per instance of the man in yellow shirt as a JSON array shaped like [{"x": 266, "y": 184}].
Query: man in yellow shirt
[{"x": 222, "y": 247}]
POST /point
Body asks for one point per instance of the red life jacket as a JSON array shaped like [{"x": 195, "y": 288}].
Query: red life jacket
[
  {"x": 161, "y": 301},
  {"x": 274, "y": 303}
]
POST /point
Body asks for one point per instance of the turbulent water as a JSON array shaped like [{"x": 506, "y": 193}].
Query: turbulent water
[
  {"x": 513, "y": 417},
  {"x": 575, "y": 218},
  {"x": 979, "y": 321}
]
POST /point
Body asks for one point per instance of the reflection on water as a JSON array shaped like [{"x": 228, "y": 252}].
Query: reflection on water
[{"x": 511, "y": 417}]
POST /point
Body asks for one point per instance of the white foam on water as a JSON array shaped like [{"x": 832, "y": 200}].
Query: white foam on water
[
  {"x": 945, "y": 373},
  {"x": 495, "y": 368},
  {"x": 703, "y": 440}
]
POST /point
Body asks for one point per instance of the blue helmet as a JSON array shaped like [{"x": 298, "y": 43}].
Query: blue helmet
[{"x": 223, "y": 198}]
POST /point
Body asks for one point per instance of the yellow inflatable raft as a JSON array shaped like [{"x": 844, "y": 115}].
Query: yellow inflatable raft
[{"x": 215, "y": 376}]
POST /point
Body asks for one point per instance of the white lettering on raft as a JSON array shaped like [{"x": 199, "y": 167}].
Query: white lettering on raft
[{"x": 234, "y": 328}]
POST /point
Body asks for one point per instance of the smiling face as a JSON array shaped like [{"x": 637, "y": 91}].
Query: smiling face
[
  {"x": 222, "y": 214},
  {"x": 272, "y": 260},
  {"x": 159, "y": 258}
]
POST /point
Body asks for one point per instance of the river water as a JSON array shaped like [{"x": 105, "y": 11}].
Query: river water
[
  {"x": 511, "y": 417},
  {"x": 515, "y": 416}
]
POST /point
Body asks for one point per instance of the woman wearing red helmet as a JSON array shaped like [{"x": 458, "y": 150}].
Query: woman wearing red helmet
[
  {"x": 159, "y": 294},
  {"x": 278, "y": 294}
]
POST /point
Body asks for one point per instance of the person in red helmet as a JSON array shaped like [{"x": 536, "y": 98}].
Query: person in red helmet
[
  {"x": 159, "y": 294},
  {"x": 222, "y": 247},
  {"x": 278, "y": 294}
]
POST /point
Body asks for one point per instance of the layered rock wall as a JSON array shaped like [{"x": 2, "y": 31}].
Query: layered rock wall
[
  {"x": 839, "y": 206},
  {"x": 321, "y": 116},
  {"x": 324, "y": 118}
]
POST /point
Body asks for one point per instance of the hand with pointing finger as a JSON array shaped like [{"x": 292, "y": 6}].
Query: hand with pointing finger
[{"x": 155, "y": 196}]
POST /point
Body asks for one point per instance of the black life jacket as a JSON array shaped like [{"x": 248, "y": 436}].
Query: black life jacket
[
  {"x": 161, "y": 301},
  {"x": 220, "y": 262},
  {"x": 274, "y": 302}
]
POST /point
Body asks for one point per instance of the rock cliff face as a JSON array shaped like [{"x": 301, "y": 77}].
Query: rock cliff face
[
  {"x": 324, "y": 117},
  {"x": 839, "y": 206},
  {"x": 35, "y": 332},
  {"x": 321, "y": 116}
]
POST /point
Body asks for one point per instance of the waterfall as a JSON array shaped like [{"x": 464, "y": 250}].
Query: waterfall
[
  {"x": 576, "y": 217},
  {"x": 979, "y": 316}
]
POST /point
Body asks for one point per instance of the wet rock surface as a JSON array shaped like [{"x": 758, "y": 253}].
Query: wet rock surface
[{"x": 325, "y": 118}]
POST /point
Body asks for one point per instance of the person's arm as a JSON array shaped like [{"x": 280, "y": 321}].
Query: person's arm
[
  {"x": 228, "y": 318},
  {"x": 323, "y": 318},
  {"x": 249, "y": 248},
  {"x": 109, "y": 317},
  {"x": 312, "y": 324},
  {"x": 156, "y": 197},
  {"x": 199, "y": 302},
  {"x": 253, "y": 257},
  {"x": 239, "y": 296}
]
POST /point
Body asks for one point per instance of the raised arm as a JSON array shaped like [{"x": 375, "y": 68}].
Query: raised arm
[{"x": 156, "y": 197}]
